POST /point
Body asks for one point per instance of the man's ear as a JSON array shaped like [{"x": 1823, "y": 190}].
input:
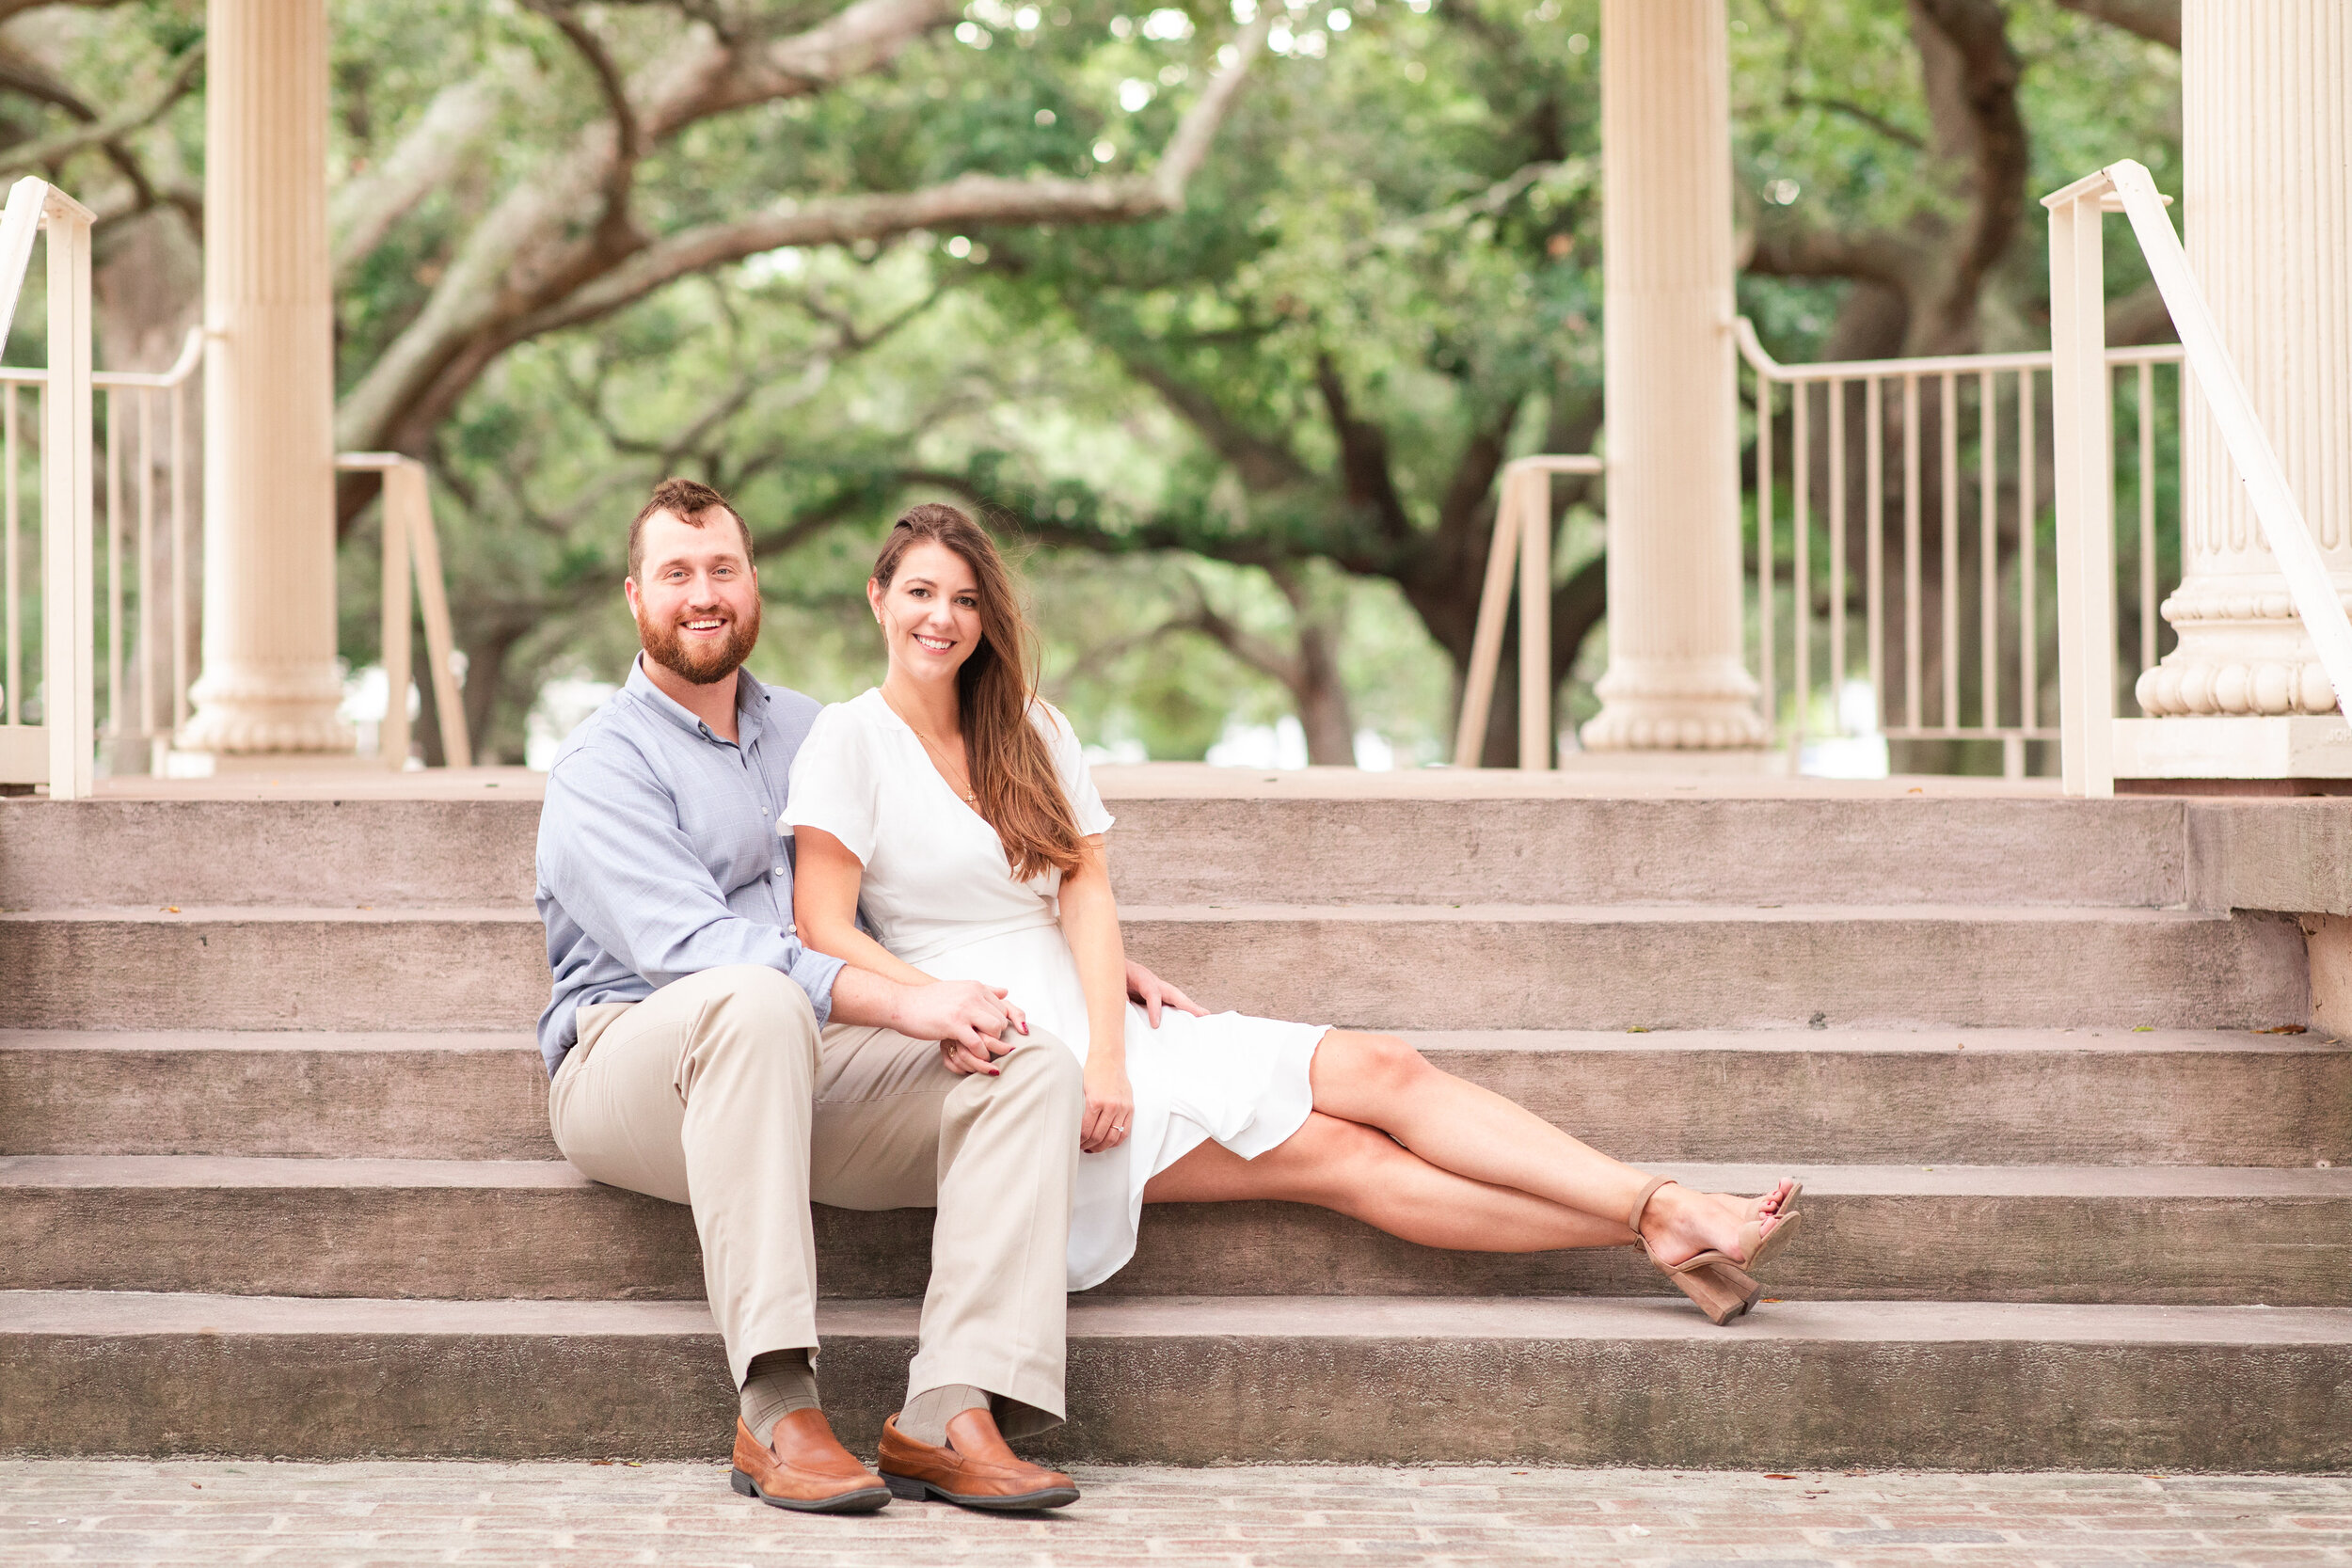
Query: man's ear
[{"x": 628, "y": 593}]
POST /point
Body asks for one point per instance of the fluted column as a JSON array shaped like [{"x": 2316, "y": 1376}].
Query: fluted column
[
  {"x": 2266, "y": 141},
  {"x": 269, "y": 682},
  {"x": 1677, "y": 679}
]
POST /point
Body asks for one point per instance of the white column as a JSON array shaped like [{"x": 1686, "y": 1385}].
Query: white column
[
  {"x": 1678, "y": 677},
  {"x": 269, "y": 682},
  {"x": 2266, "y": 141}
]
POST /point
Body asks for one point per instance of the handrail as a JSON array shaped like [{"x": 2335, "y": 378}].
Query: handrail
[
  {"x": 1522, "y": 531},
  {"x": 174, "y": 375},
  {"x": 1760, "y": 361},
  {"x": 2087, "y": 646},
  {"x": 408, "y": 537}
]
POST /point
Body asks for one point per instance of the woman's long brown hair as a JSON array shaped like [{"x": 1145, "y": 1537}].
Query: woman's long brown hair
[{"x": 1012, "y": 773}]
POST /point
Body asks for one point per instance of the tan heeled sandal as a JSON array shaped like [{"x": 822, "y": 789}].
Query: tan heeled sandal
[{"x": 1718, "y": 1284}]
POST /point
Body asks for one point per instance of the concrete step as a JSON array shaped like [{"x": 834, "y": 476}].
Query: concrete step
[
  {"x": 280, "y": 1092},
  {"x": 2112, "y": 1097},
  {"x": 1672, "y": 967},
  {"x": 1223, "y": 836},
  {"x": 476, "y": 1229},
  {"x": 1205, "y": 1381},
  {"x": 1284, "y": 846},
  {"x": 1388, "y": 966}
]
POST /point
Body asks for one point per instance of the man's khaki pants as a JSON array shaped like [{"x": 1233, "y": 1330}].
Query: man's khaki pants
[{"x": 720, "y": 1091}]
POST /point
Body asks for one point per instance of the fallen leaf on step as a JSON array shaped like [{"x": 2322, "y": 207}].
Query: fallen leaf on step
[
  {"x": 1780, "y": 1478},
  {"x": 172, "y": 909},
  {"x": 2284, "y": 1029}
]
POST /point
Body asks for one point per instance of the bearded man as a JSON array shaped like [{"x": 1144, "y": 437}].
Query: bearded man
[{"x": 698, "y": 1053}]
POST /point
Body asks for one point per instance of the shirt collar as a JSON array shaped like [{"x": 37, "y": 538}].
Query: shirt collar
[{"x": 751, "y": 701}]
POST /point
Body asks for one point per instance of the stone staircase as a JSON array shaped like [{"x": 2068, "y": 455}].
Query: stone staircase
[{"x": 275, "y": 1175}]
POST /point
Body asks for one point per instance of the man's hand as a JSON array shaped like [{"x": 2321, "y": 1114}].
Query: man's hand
[
  {"x": 964, "y": 1017},
  {"x": 1153, "y": 992}
]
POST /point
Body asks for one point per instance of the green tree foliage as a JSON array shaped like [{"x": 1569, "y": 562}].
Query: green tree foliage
[{"x": 1247, "y": 427}]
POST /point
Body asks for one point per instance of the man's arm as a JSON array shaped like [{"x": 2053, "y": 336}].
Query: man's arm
[{"x": 615, "y": 857}]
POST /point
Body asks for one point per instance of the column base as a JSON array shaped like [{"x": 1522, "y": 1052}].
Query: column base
[
  {"x": 2286, "y": 747},
  {"x": 1746, "y": 761},
  {"x": 1702, "y": 707},
  {"x": 242, "y": 712}
]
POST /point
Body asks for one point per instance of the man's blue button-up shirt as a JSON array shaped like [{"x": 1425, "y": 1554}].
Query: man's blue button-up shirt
[{"x": 659, "y": 855}]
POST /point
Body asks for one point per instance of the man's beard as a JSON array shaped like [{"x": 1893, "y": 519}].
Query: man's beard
[{"x": 703, "y": 663}]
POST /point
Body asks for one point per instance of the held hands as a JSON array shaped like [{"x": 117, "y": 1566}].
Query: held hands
[
  {"x": 1153, "y": 993},
  {"x": 964, "y": 1017},
  {"x": 1111, "y": 1104}
]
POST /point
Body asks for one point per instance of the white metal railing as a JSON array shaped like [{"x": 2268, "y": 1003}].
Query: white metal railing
[
  {"x": 2084, "y": 443},
  {"x": 59, "y": 750},
  {"x": 151, "y": 551},
  {"x": 1920, "y": 613},
  {"x": 151, "y": 563},
  {"x": 149, "y": 548},
  {"x": 1522, "y": 534}
]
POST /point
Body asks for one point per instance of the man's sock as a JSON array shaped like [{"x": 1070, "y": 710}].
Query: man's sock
[
  {"x": 927, "y": 1413},
  {"x": 781, "y": 1382}
]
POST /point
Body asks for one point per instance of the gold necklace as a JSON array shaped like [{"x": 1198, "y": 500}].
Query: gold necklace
[{"x": 939, "y": 760}]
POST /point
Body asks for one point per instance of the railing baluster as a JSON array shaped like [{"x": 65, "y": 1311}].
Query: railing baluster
[
  {"x": 1874, "y": 543},
  {"x": 2147, "y": 515},
  {"x": 1913, "y": 674},
  {"x": 1800, "y": 552},
  {"x": 1948, "y": 529},
  {"x": 1764, "y": 549},
  {"x": 113, "y": 569},
  {"x": 146, "y": 558},
  {"x": 180, "y": 548},
  {"x": 1836, "y": 555},
  {"x": 1988, "y": 551},
  {"x": 16, "y": 640},
  {"x": 2029, "y": 622}
]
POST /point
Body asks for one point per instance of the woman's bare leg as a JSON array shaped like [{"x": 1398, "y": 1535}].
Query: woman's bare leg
[
  {"x": 1363, "y": 1173},
  {"x": 1382, "y": 1082}
]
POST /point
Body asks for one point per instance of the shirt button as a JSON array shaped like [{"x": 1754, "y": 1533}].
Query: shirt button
[
  {"x": 779, "y": 871},
  {"x": 793, "y": 930}
]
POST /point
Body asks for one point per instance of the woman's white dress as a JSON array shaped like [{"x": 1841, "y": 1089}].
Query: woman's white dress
[{"x": 938, "y": 892}]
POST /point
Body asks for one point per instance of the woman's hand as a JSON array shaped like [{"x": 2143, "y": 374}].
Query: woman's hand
[
  {"x": 1153, "y": 992},
  {"x": 1110, "y": 1105}
]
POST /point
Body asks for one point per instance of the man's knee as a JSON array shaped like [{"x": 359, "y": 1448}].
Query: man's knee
[
  {"x": 751, "y": 1012},
  {"x": 1042, "y": 1068}
]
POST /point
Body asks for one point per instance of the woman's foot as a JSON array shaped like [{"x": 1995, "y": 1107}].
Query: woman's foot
[{"x": 1679, "y": 1224}]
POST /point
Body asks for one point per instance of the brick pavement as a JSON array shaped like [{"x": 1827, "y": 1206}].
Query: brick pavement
[{"x": 683, "y": 1515}]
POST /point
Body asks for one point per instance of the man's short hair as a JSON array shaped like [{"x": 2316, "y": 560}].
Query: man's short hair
[{"x": 686, "y": 499}]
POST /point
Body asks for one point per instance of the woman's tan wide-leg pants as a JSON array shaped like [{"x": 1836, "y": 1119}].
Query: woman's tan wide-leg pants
[{"x": 720, "y": 1091}]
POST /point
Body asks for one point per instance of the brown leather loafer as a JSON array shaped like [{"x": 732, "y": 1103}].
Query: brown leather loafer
[
  {"x": 974, "y": 1469},
  {"x": 806, "y": 1469}
]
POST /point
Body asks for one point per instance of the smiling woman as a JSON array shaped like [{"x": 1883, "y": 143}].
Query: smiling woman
[{"x": 953, "y": 809}]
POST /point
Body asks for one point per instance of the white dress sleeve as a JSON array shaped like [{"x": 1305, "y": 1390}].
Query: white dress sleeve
[
  {"x": 835, "y": 785},
  {"x": 1077, "y": 779}
]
